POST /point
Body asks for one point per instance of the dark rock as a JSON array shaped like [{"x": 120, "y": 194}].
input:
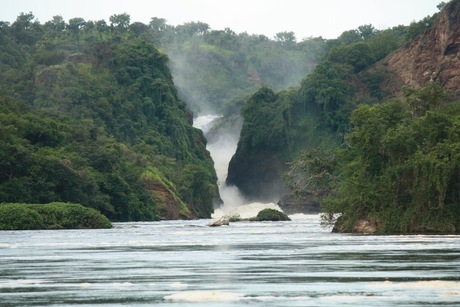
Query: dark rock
[
  {"x": 445, "y": 228},
  {"x": 369, "y": 226},
  {"x": 292, "y": 204},
  {"x": 257, "y": 175}
]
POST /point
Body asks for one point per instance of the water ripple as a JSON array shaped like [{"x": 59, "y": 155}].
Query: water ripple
[{"x": 295, "y": 263}]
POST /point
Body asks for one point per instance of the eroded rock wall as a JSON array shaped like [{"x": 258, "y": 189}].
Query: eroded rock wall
[{"x": 432, "y": 56}]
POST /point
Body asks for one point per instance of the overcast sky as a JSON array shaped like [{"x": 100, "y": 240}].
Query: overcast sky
[{"x": 306, "y": 18}]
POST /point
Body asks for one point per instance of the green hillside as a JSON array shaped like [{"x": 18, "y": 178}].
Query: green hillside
[
  {"x": 89, "y": 114},
  {"x": 278, "y": 126}
]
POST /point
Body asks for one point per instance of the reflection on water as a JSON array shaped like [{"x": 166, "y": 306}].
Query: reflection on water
[{"x": 295, "y": 263}]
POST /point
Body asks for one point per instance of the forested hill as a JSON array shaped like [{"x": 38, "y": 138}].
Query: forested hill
[
  {"x": 89, "y": 114},
  {"x": 372, "y": 133},
  {"x": 278, "y": 126}
]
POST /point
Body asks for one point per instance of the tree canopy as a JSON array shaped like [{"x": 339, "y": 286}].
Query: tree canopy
[{"x": 401, "y": 168}]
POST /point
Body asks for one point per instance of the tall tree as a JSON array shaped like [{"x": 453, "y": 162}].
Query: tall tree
[{"x": 120, "y": 21}]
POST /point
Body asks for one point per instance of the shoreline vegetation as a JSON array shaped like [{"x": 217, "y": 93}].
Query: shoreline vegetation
[
  {"x": 400, "y": 172},
  {"x": 16, "y": 216}
]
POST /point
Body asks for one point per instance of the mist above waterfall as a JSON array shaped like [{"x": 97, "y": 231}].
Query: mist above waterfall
[{"x": 216, "y": 71}]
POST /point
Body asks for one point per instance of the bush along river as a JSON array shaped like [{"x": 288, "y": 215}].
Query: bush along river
[{"x": 187, "y": 263}]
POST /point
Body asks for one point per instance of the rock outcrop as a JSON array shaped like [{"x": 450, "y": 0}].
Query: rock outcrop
[
  {"x": 360, "y": 226},
  {"x": 292, "y": 204},
  {"x": 257, "y": 175},
  {"x": 432, "y": 56},
  {"x": 223, "y": 221}
]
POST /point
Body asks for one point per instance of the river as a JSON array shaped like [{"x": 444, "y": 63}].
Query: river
[{"x": 187, "y": 263}]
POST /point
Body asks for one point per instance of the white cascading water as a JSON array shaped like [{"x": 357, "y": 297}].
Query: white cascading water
[{"x": 221, "y": 151}]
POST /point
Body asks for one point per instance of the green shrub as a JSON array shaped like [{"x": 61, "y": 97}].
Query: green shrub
[
  {"x": 271, "y": 215},
  {"x": 50, "y": 216},
  {"x": 19, "y": 217}
]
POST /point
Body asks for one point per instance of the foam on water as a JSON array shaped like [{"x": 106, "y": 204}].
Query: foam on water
[
  {"x": 203, "y": 296},
  {"x": 122, "y": 284},
  {"x": 179, "y": 285},
  {"x": 220, "y": 296},
  {"x": 20, "y": 283},
  {"x": 244, "y": 211}
]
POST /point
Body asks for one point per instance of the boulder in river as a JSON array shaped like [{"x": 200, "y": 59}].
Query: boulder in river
[
  {"x": 223, "y": 221},
  {"x": 293, "y": 204},
  {"x": 359, "y": 226}
]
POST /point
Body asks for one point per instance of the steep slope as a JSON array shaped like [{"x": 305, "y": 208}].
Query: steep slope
[
  {"x": 432, "y": 56},
  {"x": 400, "y": 171}
]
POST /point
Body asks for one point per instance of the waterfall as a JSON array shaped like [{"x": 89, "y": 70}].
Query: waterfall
[{"x": 222, "y": 149}]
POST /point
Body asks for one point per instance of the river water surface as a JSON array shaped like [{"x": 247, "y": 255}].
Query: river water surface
[{"x": 187, "y": 263}]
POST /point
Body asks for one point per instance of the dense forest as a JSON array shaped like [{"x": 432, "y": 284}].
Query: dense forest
[
  {"x": 278, "y": 126},
  {"x": 89, "y": 114},
  {"x": 386, "y": 157},
  {"x": 402, "y": 165}
]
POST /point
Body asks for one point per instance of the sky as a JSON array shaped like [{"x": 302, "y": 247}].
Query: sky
[{"x": 306, "y": 18}]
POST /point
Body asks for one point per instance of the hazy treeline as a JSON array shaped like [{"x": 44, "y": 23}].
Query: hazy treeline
[{"x": 216, "y": 69}]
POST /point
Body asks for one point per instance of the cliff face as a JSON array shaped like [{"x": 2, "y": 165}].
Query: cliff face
[
  {"x": 276, "y": 128},
  {"x": 257, "y": 175},
  {"x": 257, "y": 164},
  {"x": 432, "y": 56}
]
